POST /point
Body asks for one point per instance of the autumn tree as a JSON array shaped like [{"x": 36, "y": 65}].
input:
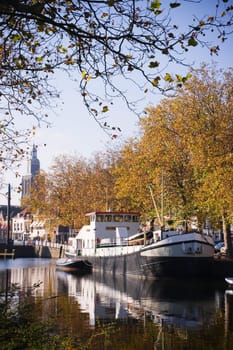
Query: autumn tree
[
  {"x": 208, "y": 131},
  {"x": 188, "y": 139},
  {"x": 164, "y": 143},
  {"x": 67, "y": 184},
  {"x": 102, "y": 44},
  {"x": 39, "y": 194},
  {"x": 73, "y": 187},
  {"x": 156, "y": 167},
  {"x": 37, "y": 201},
  {"x": 59, "y": 195},
  {"x": 133, "y": 175},
  {"x": 100, "y": 187}
]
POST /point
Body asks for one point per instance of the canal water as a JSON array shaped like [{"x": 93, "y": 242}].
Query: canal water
[{"x": 110, "y": 313}]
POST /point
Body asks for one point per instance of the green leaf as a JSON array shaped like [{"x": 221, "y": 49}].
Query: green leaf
[
  {"x": 154, "y": 64},
  {"x": 110, "y": 2},
  {"x": 129, "y": 57},
  {"x": 16, "y": 37},
  {"x": 174, "y": 4},
  {"x": 165, "y": 51},
  {"x": 155, "y": 5},
  {"x": 168, "y": 78},
  {"x": 192, "y": 42},
  {"x": 39, "y": 59},
  {"x": 179, "y": 77},
  {"x": 61, "y": 49}
]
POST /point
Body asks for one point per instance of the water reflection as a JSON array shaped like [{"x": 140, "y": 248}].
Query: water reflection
[
  {"x": 186, "y": 305},
  {"x": 228, "y": 304},
  {"x": 28, "y": 272},
  {"x": 182, "y": 304}
]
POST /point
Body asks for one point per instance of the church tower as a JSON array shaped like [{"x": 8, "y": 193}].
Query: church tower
[
  {"x": 33, "y": 170},
  {"x": 35, "y": 163}
]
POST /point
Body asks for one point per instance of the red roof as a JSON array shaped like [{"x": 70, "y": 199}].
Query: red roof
[
  {"x": 3, "y": 224},
  {"x": 112, "y": 213},
  {"x": 24, "y": 212}
]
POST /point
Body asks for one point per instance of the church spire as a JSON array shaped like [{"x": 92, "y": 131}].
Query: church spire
[
  {"x": 35, "y": 163},
  {"x": 34, "y": 169}
]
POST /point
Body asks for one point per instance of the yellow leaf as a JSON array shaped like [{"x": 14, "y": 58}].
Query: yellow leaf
[
  {"x": 168, "y": 77},
  {"x": 39, "y": 59},
  {"x": 155, "y": 82},
  {"x": 84, "y": 74},
  {"x": 104, "y": 14},
  {"x": 105, "y": 109}
]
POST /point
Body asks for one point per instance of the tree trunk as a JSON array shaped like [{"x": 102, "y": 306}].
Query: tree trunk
[{"x": 227, "y": 236}]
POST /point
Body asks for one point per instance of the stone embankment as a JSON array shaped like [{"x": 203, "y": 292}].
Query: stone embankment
[{"x": 48, "y": 250}]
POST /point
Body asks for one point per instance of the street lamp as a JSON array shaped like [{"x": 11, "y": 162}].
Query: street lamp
[{"x": 8, "y": 213}]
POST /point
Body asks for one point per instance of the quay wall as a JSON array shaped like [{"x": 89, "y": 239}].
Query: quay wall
[
  {"x": 35, "y": 251},
  {"x": 42, "y": 251}
]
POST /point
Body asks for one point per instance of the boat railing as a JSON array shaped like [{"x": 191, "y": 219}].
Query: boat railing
[
  {"x": 112, "y": 244},
  {"x": 49, "y": 244}
]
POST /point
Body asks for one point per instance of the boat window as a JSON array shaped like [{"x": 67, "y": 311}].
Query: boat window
[
  {"x": 110, "y": 228},
  {"x": 118, "y": 218},
  {"x": 135, "y": 218},
  {"x": 127, "y": 218},
  {"x": 99, "y": 218},
  {"x": 108, "y": 218}
]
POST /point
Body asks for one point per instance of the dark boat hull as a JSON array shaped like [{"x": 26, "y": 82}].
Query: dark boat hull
[
  {"x": 74, "y": 265},
  {"x": 154, "y": 267}
]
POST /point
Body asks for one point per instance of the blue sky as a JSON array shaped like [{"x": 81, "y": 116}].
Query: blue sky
[{"x": 75, "y": 132}]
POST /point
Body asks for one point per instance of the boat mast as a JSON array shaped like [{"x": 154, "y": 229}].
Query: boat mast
[
  {"x": 155, "y": 206},
  {"x": 162, "y": 201},
  {"x": 8, "y": 214}
]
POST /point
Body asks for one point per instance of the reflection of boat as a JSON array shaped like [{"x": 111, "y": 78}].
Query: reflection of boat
[
  {"x": 79, "y": 265},
  {"x": 229, "y": 292},
  {"x": 229, "y": 280},
  {"x": 186, "y": 305},
  {"x": 112, "y": 243}
]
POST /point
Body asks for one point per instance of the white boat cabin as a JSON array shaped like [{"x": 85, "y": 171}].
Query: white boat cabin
[{"x": 105, "y": 229}]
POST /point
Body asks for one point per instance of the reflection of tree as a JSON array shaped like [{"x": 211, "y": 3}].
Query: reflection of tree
[
  {"x": 228, "y": 304},
  {"x": 21, "y": 326}
]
